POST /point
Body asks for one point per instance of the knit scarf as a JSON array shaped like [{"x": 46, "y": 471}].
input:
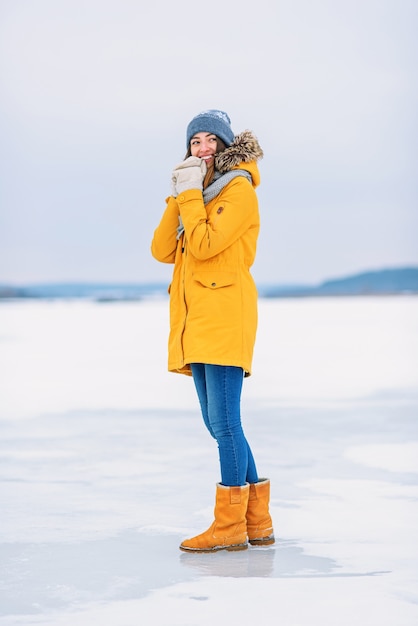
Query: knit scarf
[{"x": 219, "y": 182}]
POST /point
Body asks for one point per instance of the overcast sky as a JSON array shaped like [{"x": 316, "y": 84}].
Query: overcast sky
[{"x": 95, "y": 97}]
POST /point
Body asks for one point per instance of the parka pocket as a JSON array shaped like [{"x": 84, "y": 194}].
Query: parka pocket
[{"x": 214, "y": 279}]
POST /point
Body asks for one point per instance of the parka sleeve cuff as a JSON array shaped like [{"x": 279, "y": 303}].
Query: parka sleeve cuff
[{"x": 192, "y": 208}]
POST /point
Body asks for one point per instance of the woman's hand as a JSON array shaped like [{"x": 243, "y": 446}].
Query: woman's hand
[{"x": 189, "y": 174}]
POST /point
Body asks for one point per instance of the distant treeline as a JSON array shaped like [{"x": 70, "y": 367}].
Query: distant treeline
[{"x": 379, "y": 282}]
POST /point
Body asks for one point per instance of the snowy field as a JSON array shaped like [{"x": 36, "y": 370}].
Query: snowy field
[{"x": 106, "y": 467}]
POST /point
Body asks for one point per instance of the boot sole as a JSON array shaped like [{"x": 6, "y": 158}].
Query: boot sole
[
  {"x": 267, "y": 541},
  {"x": 233, "y": 548}
]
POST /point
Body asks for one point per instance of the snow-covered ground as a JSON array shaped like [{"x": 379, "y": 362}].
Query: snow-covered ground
[{"x": 106, "y": 466}]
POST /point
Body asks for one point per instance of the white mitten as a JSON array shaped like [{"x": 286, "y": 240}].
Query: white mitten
[{"x": 189, "y": 174}]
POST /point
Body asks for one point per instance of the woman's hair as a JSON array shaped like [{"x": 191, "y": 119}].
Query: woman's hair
[{"x": 220, "y": 147}]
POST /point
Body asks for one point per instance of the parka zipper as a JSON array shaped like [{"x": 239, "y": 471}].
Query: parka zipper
[{"x": 183, "y": 251}]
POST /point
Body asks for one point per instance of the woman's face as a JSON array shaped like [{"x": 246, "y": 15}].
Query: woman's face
[{"x": 204, "y": 146}]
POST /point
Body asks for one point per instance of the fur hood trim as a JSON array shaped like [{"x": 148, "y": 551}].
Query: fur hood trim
[{"x": 244, "y": 149}]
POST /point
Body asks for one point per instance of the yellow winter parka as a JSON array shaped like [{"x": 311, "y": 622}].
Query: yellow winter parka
[{"x": 213, "y": 297}]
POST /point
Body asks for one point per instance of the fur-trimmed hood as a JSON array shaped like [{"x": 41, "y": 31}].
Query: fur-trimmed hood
[{"x": 244, "y": 149}]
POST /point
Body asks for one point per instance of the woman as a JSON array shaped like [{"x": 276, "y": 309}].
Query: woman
[{"x": 209, "y": 231}]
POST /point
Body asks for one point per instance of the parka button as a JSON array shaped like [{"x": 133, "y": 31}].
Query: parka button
[{"x": 213, "y": 285}]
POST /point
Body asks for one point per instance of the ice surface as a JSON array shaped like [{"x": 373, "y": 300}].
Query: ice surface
[{"x": 106, "y": 467}]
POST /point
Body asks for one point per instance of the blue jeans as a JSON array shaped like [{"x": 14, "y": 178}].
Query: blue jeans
[{"x": 219, "y": 390}]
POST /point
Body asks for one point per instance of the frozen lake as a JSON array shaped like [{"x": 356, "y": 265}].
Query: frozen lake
[{"x": 106, "y": 467}]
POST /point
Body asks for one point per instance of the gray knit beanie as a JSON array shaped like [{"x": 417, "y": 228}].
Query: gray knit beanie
[{"x": 212, "y": 121}]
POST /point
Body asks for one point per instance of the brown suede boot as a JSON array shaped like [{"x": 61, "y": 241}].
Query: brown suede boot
[
  {"x": 229, "y": 530},
  {"x": 259, "y": 523}
]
